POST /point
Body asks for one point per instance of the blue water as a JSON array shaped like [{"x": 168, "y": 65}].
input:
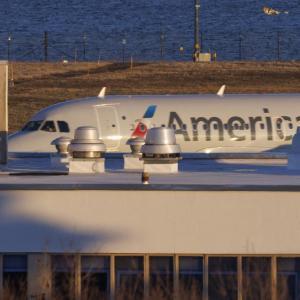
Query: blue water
[{"x": 95, "y": 29}]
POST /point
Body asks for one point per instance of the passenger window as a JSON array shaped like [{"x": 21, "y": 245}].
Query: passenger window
[
  {"x": 32, "y": 126},
  {"x": 278, "y": 124},
  {"x": 63, "y": 126},
  {"x": 49, "y": 126}
]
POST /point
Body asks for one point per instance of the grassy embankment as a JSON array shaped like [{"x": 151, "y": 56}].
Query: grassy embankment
[{"x": 37, "y": 85}]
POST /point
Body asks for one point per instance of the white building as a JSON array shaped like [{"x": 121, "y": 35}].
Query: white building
[{"x": 211, "y": 234}]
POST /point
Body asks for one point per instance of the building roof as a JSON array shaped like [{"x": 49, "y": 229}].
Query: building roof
[{"x": 263, "y": 174}]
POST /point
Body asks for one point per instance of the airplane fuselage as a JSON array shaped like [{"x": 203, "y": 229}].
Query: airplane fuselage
[{"x": 202, "y": 123}]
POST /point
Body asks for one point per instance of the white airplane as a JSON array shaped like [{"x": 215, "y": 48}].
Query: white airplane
[{"x": 202, "y": 123}]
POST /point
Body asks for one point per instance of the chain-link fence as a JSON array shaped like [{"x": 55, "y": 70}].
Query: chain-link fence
[{"x": 275, "y": 45}]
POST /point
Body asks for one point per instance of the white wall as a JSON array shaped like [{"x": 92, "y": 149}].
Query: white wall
[{"x": 150, "y": 222}]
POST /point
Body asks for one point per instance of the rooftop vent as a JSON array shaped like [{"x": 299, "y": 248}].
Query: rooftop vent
[
  {"x": 160, "y": 152},
  {"x": 87, "y": 151},
  {"x": 136, "y": 145},
  {"x": 61, "y": 144},
  {"x": 86, "y": 144},
  {"x": 132, "y": 160},
  {"x": 161, "y": 144},
  {"x": 61, "y": 158}
]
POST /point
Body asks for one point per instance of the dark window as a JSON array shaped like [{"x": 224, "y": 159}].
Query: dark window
[
  {"x": 123, "y": 118},
  {"x": 204, "y": 126},
  {"x": 216, "y": 126},
  {"x": 129, "y": 277},
  {"x": 290, "y": 125},
  {"x": 63, "y": 126},
  {"x": 161, "y": 277},
  {"x": 288, "y": 278},
  {"x": 63, "y": 277},
  {"x": 222, "y": 276},
  {"x": 32, "y": 126},
  {"x": 15, "y": 276},
  {"x": 225, "y": 126},
  {"x": 246, "y": 126},
  {"x": 190, "y": 277},
  {"x": 262, "y": 126},
  {"x": 184, "y": 127},
  {"x": 256, "y": 278},
  {"x": 49, "y": 126},
  {"x": 95, "y": 277},
  {"x": 278, "y": 124}
]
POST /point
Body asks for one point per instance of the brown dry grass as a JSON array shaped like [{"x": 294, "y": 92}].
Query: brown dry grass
[{"x": 37, "y": 85}]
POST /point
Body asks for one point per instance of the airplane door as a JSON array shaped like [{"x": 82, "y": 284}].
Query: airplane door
[{"x": 107, "y": 119}]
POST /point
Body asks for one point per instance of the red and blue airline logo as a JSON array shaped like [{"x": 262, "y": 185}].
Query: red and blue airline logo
[{"x": 143, "y": 124}]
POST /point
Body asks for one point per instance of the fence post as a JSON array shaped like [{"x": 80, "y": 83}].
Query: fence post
[
  {"x": 201, "y": 41},
  {"x": 162, "y": 44},
  {"x": 240, "y": 46},
  {"x": 75, "y": 55},
  {"x": 45, "y": 46},
  {"x": 84, "y": 46},
  {"x": 123, "y": 49},
  {"x": 99, "y": 56},
  {"x": 8, "y": 47},
  {"x": 278, "y": 46}
]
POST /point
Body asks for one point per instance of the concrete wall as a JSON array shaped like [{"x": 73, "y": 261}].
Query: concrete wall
[{"x": 150, "y": 222}]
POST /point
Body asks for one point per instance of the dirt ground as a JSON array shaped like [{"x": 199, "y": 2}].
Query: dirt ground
[{"x": 34, "y": 86}]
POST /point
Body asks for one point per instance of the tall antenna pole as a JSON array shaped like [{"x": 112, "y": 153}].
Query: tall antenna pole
[{"x": 196, "y": 32}]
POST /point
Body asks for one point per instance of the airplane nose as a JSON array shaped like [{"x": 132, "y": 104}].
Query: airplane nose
[
  {"x": 19, "y": 142},
  {"x": 31, "y": 142},
  {"x": 14, "y": 143}
]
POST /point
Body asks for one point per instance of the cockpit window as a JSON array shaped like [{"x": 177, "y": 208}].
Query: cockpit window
[
  {"x": 63, "y": 126},
  {"x": 32, "y": 126},
  {"x": 49, "y": 126}
]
